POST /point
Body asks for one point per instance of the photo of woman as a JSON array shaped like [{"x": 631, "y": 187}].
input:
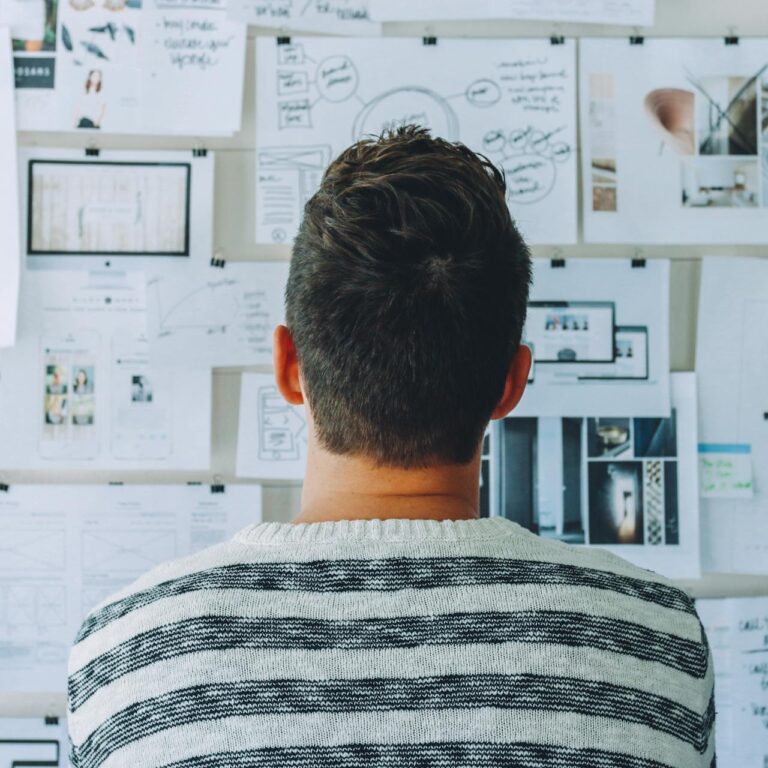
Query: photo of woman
[{"x": 92, "y": 107}]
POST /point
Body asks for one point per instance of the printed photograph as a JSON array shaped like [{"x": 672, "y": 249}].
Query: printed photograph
[
  {"x": 141, "y": 389},
  {"x": 82, "y": 380},
  {"x": 609, "y": 438},
  {"x": 56, "y": 380},
  {"x": 656, "y": 438},
  {"x": 726, "y": 115},
  {"x": 616, "y": 502},
  {"x": 55, "y": 409},
  {"x": 720, "y": 182},
  {"x": 34, "y": 26},
  {"x": 83, "y": 411}
]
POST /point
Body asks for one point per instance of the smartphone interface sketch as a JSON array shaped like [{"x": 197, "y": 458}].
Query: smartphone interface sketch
[
  {"x": 571, "y": 331},
  {"x": 141, "y": 409},
  {"x": 69, "y": 427},
  {"x": 108, "y": 208}
]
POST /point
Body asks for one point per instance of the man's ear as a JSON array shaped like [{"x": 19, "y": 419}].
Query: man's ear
[
  {"x": 286, "y": 364},
  {"x": 514, "y": 386}
]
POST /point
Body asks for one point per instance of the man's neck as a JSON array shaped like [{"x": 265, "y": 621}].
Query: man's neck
[{"x": 352, "y": 488}]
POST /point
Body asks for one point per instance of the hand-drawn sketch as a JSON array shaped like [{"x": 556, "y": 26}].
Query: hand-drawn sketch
[
  {"x": 272, "y": 435},
  {"x": 281, "y": 428},
  {"x": 33, "y": 742},
  {"x": 70, "y": 547},
  {"x": 215, "y": 317},
  {"x": 512, "y": 101}
]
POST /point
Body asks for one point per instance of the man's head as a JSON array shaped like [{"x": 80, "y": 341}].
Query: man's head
[{"x": 405, "y": 303}]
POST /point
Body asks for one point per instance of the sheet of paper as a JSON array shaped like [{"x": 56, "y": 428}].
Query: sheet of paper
[
  {"x": 599, "y": 332},
  {"x": 78, "y": 390},
  {"x": 626, "y": 484},
  {"x": 331, "y": 17},
  {"x": 33, "y": 741},
  {"x": 725, "y": 471},
  {"x": 513, "y": 100},
  {"x": 674, "y": 140},
  {"x": 66, "y": 548},
  {"x": 215, "y": 316},
  {"x": 120, "y": 66},
  {"x": 120, "y": 209},
  {"x": 631, "y": 12},
  {"x": 10, "y": 254},
  {"x": 271, "y": 434},
  {"x": 732, "y": 366},
  {"x": 737, "y": 630}
]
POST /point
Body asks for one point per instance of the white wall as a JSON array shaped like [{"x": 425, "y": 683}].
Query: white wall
[{"x": 233, "y": 235}]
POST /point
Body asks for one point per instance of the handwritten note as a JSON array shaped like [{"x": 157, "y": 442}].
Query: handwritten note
[
  {"x": 338, "y": 17},
  {"x": 725, "y": 471},
  {"x": 737, "y": 630}
]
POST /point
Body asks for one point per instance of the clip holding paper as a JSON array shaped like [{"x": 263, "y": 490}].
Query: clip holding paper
[
  {"x": 218, "y": 488},
  {"x": 429, "y": 40},
  {"x": 557, "y": 40},
  {"x": 51, "y": 719},
  {"x": 200, "y": 152},
  {"x": 765, "y": 415},
  {"x": 193, "y": 482},
  {"x": 638, "y": 263},
  {"x": 218, "y": 263},
  {"x": 731, "y": 40},
  {"x": 557, "y": 263},
  {"x": 92, "y": 151},
  {"x": 636, "y": 39},
  {"x": 4, "y": 487},
  {"x": 115, "y": 482},
  {"x": 283, "y": 40}
]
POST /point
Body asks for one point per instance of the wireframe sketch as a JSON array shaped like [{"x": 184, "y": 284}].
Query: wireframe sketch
[
  {"x": 515, "y": 104},
  {"x": 97, "y": 207},
  {"x": 30, "y": 548},
  {"x": 126, "y": 550},
  {"x": 282, "y": 429},
  {"x": 351, "y": 17}
]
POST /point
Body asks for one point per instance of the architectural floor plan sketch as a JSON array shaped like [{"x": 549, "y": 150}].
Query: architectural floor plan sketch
[
  {"x": 124, "y": 210},
  {"x": 732, "y": 366},
  {"x": 10, "y": 256},
  {"x": 512, "y": 100},
  {"x": 70, "y": 547},
  {"x": 628, "y": 484},
  {"x": 346, "y": 17},
  {"x": 272, "y": 435},
  {"x": 214, "y": 316},
  {"x": 599, "y": 332},
  {"x": 34, "y": 742},
  {"x": 97, "y": 402},
  {"x": 674, "y": 142}
]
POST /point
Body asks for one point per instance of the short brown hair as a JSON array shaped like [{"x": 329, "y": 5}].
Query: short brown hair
[{"x": 406, "y": 299}]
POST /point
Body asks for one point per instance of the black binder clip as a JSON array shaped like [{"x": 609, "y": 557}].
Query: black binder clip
[
  {"x": 765, "y": 416},
  {"x": 636, "y": 39},
  {"x": 731, "y": 40},
  {"x": 115, "y": 482},
  {"x": 557, "y": 263},
  {"x": 638, "y": 263},
  {"x": 92, "y": 152},
  {"x": 429, "y": 40},
  {"x": 283, "y": 40},
  {"x": 4, "y": 487},
  {"x": 218, "y": 263},
  {"x": 51, "y": 720},
  {"x": 193, "y": 482},
  {"x": 199, "y": 152},
  {"x": 220, "y": 488},
  {"x": 557, "y": 40}
]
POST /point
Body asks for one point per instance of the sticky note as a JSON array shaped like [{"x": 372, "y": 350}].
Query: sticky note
[{"x": 725, "y": 471}]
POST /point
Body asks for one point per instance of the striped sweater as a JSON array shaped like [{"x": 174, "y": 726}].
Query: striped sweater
[{"x": 390, "y": 644}]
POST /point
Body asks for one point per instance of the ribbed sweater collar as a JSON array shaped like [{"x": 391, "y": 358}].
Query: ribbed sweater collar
[{"x": 376, "y": 531}]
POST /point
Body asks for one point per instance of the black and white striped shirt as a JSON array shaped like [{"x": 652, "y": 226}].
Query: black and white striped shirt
[{"x": 383, "y": 644}]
